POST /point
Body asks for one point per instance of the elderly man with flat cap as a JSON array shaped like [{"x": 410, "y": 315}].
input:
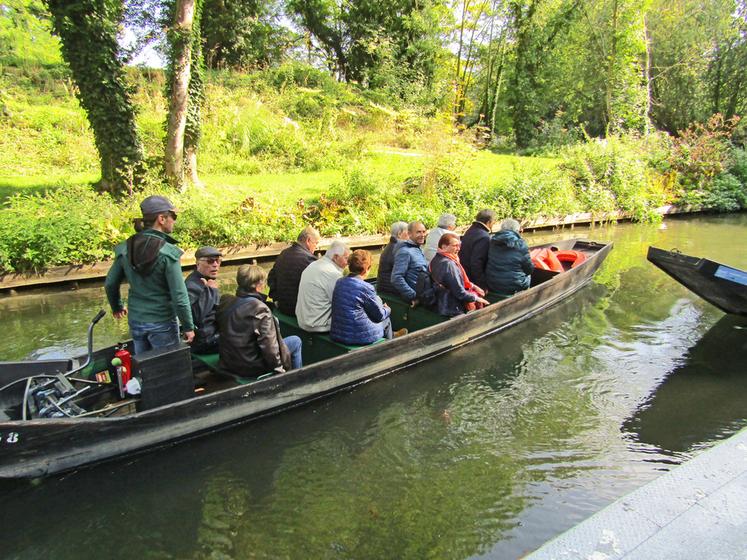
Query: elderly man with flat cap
[
  {"x": 149, "y": 261},
  {"x": 202, "y": 286}
]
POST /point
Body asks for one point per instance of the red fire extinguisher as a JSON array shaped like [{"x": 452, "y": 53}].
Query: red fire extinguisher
[{"x": 123, "y": 363}]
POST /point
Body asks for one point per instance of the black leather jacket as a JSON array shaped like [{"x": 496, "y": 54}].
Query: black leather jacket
[{"x": 250, "y": 341}]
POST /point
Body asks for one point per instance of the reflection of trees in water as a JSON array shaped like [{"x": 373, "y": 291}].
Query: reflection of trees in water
[
  {"x": 55, "y": 324},
  {"x": 225, "y": 501},
  {"x": 702, "y": 399}
]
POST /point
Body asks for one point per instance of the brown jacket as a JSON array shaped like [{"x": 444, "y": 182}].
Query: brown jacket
[{"x": 250, "y": 341}]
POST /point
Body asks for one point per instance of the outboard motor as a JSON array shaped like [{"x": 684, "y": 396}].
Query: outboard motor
[{"x": 53, "y": 398}]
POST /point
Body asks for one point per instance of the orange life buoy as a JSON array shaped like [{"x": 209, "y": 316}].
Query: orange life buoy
[
  {"x": 545, "y": 259},
  {"x": 573, "y": 257}
]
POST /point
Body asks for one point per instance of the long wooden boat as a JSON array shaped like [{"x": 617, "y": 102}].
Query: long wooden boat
[
  {"x": 718, "y": 284},
  {"x": 98, "y": 425}
]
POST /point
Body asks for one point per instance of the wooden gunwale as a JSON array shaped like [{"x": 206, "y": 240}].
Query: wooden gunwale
[{"x": 48, "y": 446}]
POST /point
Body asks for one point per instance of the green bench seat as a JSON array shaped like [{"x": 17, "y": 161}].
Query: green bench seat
[
  {"x": 211, "y": 362},
  {"x": 315, "y": 346},
  {"x": 411, "y": 318}
]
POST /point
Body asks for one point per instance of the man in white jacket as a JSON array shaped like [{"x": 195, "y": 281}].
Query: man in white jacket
[{"x": 314, "y": 304}]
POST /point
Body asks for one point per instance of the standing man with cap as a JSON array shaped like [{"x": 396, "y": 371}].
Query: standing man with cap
[
  {"x": 149, "y": 261},
  {"x": 204, "y": 296}
]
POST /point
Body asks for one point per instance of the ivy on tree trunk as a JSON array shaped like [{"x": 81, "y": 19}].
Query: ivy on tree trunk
[
  {"x": 88, "y": 33},
  {"x": 180, "y": 36},
  {"x": 196, "y": 96}
]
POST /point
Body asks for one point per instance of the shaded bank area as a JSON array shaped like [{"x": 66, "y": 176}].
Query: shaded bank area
[{"x": 491, "y": 451}]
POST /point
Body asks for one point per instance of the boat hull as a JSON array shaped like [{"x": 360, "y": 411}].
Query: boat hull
[
  {"x": 41, "y": 447},
  {"x": 718, "y": 284}
]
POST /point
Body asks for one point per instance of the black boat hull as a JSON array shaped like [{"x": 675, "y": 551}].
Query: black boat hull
[
  {"x": 718, "y": 284},
  {"x": 36, "y": 448}
]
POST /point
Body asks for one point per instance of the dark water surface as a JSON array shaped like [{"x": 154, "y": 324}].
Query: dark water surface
[{"x": 488, "y": 451}]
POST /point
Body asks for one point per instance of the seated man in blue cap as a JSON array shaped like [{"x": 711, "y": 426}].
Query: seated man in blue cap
[
  {"x": 149, "y": 261},
  {"x": 202, "y": 286}
]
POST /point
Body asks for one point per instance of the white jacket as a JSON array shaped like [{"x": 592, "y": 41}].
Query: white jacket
[{"x": 314, "y": 304}]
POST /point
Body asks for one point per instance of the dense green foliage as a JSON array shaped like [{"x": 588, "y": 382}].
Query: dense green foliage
[
  {"x": 88, "y": 29},
  {"x": 70, "y": 225},
  {"x": 243, "y": 34},
  {"x": 376, "y": 43}
]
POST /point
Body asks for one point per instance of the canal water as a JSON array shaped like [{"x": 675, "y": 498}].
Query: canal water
[{"x": 486, "y": 452}]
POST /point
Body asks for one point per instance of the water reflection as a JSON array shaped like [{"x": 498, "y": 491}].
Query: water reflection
[{"x": 702, "y": 399}]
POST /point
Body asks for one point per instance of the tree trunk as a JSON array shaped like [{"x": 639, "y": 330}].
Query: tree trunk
[
  {"x": 196, "y": 93},
  {"x": 88, "y": 32},
  {"x": 181, "y": 64},
  {"x": 499, "y": 79},
  {"x": 647, "y": 70}
]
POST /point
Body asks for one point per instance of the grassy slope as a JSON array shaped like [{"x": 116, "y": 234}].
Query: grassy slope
[{"x": 248, "y": 147}]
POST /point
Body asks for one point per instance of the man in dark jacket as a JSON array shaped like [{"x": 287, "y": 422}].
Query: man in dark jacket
[
  {"x": 409, "y": 261},
  {"x": 474, "y": 252},
  {"x": 386, "y": 261},
  {"x": 285, "y": 275},
  {"x": 204, "y": 296},
  {"x": 149, "y": 261},
  {"x": 250, "y": 341},
  {"x": 509, "y": 267}
]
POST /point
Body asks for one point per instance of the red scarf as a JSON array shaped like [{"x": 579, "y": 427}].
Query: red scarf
[{"x": 455, "y": 258}]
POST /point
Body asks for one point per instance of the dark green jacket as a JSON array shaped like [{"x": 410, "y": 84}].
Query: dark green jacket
[{"x": 157, "y": 296}]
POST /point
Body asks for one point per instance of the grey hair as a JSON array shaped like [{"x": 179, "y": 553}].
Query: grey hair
[
  {"x": 447, "y": 221},
  {"x": 509, "y": 224},
  {"x": 397, "y": 228},
  {"x": 308, "y": 233},
  {"x": 249, "y": 276},
  {"x": 412, "y": 225},
  {"x": 485, "y": 216},
  {"x": 338, "y": 248}
]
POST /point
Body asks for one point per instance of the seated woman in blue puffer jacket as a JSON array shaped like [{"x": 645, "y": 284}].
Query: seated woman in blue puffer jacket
[{"x": 358, "y": 315}]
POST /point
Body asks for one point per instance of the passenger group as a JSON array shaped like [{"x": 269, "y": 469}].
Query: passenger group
[{"x": 438, "y": 270}]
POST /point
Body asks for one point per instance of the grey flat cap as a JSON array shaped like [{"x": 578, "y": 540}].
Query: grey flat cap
[
  {"x": 203, "y": 252},
  {"x": 156, "y": 205}
]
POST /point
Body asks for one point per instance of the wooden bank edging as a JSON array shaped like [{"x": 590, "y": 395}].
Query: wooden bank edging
[{"x": 240, "y": 254}]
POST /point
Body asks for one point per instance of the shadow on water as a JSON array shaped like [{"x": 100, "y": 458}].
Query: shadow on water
[
  {"x": 702, "y": 399},
  {"x": 421, "y": 463}
]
